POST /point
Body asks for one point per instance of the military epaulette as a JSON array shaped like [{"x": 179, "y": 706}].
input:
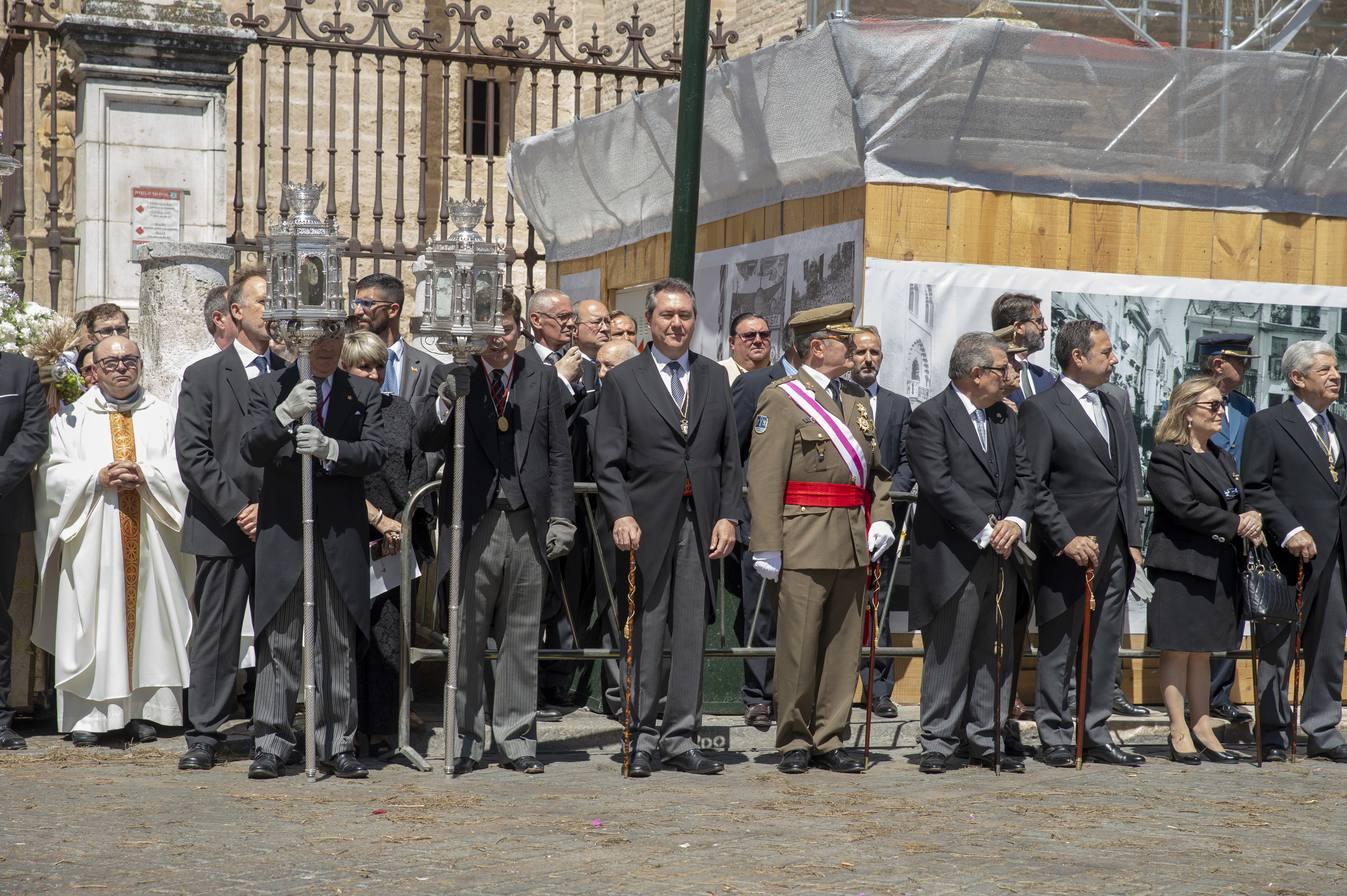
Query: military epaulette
[
  {"x": 854, "y": 388},
  {"x": 784, "y": 379}
]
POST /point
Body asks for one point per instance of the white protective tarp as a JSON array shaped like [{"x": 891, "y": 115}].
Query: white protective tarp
[{"x": 971, "y": 103}]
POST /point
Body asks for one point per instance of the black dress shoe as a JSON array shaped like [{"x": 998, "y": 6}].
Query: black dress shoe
[
  {"x": 758, "y": 715},
  {"x": 793, "y": 762},
  {"x": 1274, "y": 754},
  {"x": 10, "y": 740},
  {"x": 1231, "y": 713},
  {"x": 639, "y": 767},
  {"x": 1193, "y": 758},
  {"x": 1112, "y": 754},
  {"x": 1012, "y": 764},
  {"x": 884, "y": 708},
  {"x": 549, "y": 714},
  {"x": 345, "y": 765},
  {"x": 265, "y": 766},
  {"x": 1059, "y": 757},
  {"x": 139, "y": 731},
  {"x": 83, "y": 738},
  {"x": 1221, "y": 757},
  {"x": 463, "y": 765},
  {"x": 1333, "y": 754},
  {"x": 529, "y": 765},
  {"x": 694, "y": 762},
  {"x": 838, "y": 761},
  {"x": 198, "y": 758},
  {"x": 1011, "y": 745},
  {"x": 1124, "y": 707},
  {"x": 933, "y": 763}
]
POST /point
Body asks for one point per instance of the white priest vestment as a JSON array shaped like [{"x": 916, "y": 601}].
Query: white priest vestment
[{"x": 113, "y": 605}]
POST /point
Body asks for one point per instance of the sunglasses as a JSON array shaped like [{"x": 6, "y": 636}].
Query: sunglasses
[
  {"x": 367, "y": 304},
  {"x": 1214, "y": 407},
  {"x": 755, "y": 336}
]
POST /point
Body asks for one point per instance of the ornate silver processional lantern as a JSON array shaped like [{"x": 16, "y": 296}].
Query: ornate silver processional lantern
[
  {"x": 305, "y": 303},
  {"x": 466, "y": 288}
]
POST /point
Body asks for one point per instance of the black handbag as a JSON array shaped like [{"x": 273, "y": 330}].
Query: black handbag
[{"x": 1267, "y": 596}]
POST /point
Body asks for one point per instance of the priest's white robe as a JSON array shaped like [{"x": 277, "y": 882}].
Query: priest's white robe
[{"x": 81, "y": 614}]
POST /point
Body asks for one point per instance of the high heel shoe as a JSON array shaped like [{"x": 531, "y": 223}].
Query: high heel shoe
[
  {"x": 1183, "y": 758},
  {"x": 1220, "y": 757}
]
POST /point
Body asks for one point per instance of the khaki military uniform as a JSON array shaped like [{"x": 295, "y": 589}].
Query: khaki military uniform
[{"x": 824, "y": 559}]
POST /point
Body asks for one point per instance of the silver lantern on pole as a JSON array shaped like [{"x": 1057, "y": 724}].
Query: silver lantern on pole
[
  {"x": 463, "y": 311},
  {"x": 305, "y": 303}
]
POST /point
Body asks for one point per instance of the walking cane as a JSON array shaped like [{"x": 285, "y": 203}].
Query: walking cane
[
  {"x": 1295, "y": 659},
  {"x": 627, "y": 683},
  {"x": 996, "y": 652},
  {"x": 1257, "y": 712},
  {"x": 872, "y": 614},
  {"x": 1082, "y": 677}
]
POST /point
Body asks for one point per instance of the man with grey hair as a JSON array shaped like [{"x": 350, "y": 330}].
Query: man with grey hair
[
  {"x": 1294, "y": 476},
  {"x": 974, "y": 500},
  {"x": 552, "y": 324}
]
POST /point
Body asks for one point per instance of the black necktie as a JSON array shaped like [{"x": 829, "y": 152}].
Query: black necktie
[{"x": 835, "y": 390}]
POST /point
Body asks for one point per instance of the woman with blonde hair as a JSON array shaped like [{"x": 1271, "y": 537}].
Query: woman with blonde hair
[{"x": 1193, "y": 560}]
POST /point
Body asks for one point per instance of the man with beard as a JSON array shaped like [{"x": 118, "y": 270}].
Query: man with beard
[{"x": 377, "y": 306}]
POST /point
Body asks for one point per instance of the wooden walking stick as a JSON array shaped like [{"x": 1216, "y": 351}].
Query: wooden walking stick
[
  {"x": 872, "y": 626},
  {"x": 1082, "y": 687},
  {"x": 1295, "y": 659},
  {"x": 627, "y": 628}
]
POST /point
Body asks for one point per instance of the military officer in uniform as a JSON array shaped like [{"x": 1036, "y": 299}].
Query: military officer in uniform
[{"x": 818, "y": 496}]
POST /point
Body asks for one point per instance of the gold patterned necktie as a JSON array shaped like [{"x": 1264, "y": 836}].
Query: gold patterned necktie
[{"x": 128, "y": 512}]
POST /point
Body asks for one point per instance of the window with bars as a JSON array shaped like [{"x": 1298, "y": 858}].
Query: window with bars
[{"x": 478, "y": 139}]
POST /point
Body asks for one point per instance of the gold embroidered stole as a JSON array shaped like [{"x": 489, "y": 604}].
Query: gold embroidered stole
[{"x": 128, "y": 510}]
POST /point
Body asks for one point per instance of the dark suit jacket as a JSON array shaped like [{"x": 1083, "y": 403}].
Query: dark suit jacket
[
  {"x": 416, "y": 371},
  {"x": 212, "y": 416},
  {"x": 24, "y": 435},
  {"x": 1196, "y": 511},
  {"x": 1286, "y": 479},
  {"x": 745, "y": 392},
  {"x": 1080, "y": 489},
  {"x": 1042, "y": 379},
  {"x": 354, "y": 419},
  {"x": 542, "y": 450},
  {"x": 959, "y": 488},
  {"x": 892, "y": 412},
  {"x": 641, "y": 459}
]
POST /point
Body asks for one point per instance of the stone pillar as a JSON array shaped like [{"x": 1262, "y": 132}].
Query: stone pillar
[
  {"x": 174, "y": 280},
  {"x": 152, "y": 77}
]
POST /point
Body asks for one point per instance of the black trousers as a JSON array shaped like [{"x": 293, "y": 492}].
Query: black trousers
[
  {"x": 224, "y": 589},
  {"x": 9, "y": 559},
  {"x": 758, "y": 670}
]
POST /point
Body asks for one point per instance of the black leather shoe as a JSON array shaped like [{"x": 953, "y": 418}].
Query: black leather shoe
[
  {"x": 198, "y": 758},
  {"x": 1112, "y": 754},
  {"x": 1193, "y": 758},
  {"x": 758, "y": 715},
  {"x": 10, "y": 740},
  {"x": 933, "y": 764},
  {"x": 1011, "y": 764},
  {"x": 1334, "y": 754},
  {"x": 1124, "y": 707},
  {"x": 1059, "y": 757},
  {"x": 265, "y": 766},
  {"x": 694, "y": 762},
  {"x": 83, "y": 738},
  {"x": 139, "y": 731},
  {"x": 1274, "y": 754},
  {"x": 529, "y": 765},
  {"x": 793, "y": 762},
  {"x": 838, "y": 761},
  {"x": 345, "y": 765},
  {"x": 1231, "y": 713},
  {"x": 549, "y": 714},
  {"x": 463, "y": 765},
  {"x": 884, "y": 708},
  {"x": 1225, "y": 757},
  {"x": 1011, "y": 745},
  {"x": 640, "y": 765}
]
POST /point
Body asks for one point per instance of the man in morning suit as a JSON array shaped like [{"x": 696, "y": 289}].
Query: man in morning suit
[
  {"x": 819, "y": 499},
  {"x": 346, "y": 443},
  {"x": 973, "y": 504},
  {"x": 518, "y": 513},
  {"x": 220, "y": 523},
  {"x": 891, "y": 413},
  {"x": 1294, "y": 475},
  {"x": 670, "y": 478},
  {"x": 377, "y": 305},
  {"x": 24, "y": 436},
  {"x": 1082, "y": 449}
]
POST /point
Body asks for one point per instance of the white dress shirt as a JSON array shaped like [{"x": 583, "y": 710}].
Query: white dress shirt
[
  {"x": 1092, "y": 403},
  {"x": 543, "y": 354},
  {"x": 984, "y": 537},
  {"x": 248, "y": 356},
  {"x": 1309, "y": 414}
]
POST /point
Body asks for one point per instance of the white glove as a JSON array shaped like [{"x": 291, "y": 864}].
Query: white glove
[
  {"x": 301, "y": 400},
  {"x": 767, "y": 564},
  {"x": 880, "y": 539},
  {"x": 310, "y": 440}
]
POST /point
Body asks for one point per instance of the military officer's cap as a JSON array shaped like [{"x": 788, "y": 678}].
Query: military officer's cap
[
  {"x": 1233, "y": 345},
  {"x": 834, "y": 320},
  {"x": 1007, "y": 335}
]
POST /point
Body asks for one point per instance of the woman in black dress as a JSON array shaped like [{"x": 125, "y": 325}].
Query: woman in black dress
[{"x": 1193, "y": 560}]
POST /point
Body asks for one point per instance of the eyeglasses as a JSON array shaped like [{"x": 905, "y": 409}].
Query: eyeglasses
[
  {"x": 598, "y": 323},
  {"x": 113, "y": 331},
  {"x": 367, "y": 304},
  {"x": 1214, "y": 407},
  {"x": 1036, "y": 321},
  {"x": 112, "y": 365},
  {"x": 1001, "y": 370},
  {"x": 754, "y": 336},
  {"x": 563, "y": 319}
]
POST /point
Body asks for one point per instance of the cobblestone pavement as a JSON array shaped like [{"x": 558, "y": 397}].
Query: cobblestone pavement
[{"x": 107, "y": 820}]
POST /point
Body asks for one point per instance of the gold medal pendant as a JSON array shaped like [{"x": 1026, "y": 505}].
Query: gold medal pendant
[
  {"x": 502, "y": 424},
  {"x": 683, "y": 426}
]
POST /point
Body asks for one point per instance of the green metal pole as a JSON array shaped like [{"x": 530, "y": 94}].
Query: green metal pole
[{"x": 688, "y": 151}]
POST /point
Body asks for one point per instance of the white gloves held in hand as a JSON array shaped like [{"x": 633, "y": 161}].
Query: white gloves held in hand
[
  {"x": 879, "y": 539},
  {"x": 311, "y": 441},
  {"x": 767, "y": 564}
]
